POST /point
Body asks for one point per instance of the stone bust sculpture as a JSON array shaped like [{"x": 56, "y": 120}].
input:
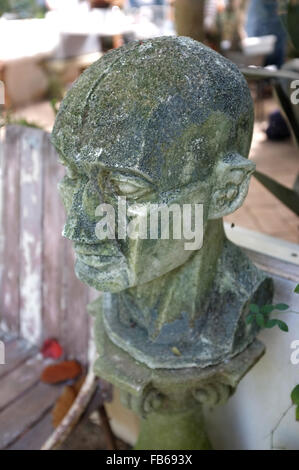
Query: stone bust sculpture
[{"x": 163, "y": 121}]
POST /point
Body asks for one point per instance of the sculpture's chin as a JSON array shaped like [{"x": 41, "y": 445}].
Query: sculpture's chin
[{"x": 112, "y": 277}]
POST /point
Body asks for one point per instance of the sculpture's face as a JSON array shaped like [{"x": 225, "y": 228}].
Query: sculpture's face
[
  {"x": 165, "y": 121},
  {"x": 116, "y": 264}
]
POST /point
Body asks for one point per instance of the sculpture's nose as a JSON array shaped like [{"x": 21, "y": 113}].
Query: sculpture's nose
[
  {"x": 78, "y": 229},
  {"x": 80, "y": 208}
]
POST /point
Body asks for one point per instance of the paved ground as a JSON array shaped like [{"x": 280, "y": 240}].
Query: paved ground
[{"x": 261, "y": 211}]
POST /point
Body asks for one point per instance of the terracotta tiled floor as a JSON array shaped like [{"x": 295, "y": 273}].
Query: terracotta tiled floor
[{"x": 261, "y": 211}]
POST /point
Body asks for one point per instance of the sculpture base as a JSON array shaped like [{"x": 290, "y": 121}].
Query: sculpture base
[
  {"x": 170, "y": 401},
  {"x": 215, "y": 335},
  {"x": 173, "y": 431}
]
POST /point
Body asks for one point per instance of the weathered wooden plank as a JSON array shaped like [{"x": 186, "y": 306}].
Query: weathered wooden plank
[
  {"x": 7, "y": 336},
  {"x": 53, "y": 244},
  {"x": 25, "y": 412},
  {"x": 9, "y": 292},
  {"x": 274, "y": 266},
  {"x": 76, "y": 324},
  {"x": 64, "y": 296},
  {"x": 16, "y": 352},
  {"x": 49, "y": 301},
  {"x": 34, "y": 438},
  {"x": 263, "y": 244},
  {"x": 31, "y": 197},
  {"x": 91, "y": 354},
  {"x": 21, "y": 379},
  {"x": 2, "y": 137}
]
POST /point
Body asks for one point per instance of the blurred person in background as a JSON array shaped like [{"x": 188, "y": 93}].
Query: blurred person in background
[
  {"x": 224, "y": 23},
  {"x": 263, "y": 19},
  {"x": 105, "y": 3},
  {"x": 125, "y": 3}
]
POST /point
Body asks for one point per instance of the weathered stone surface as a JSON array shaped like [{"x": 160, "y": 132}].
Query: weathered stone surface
[
  {"x": 170, "y": 402},
  {"x": 164, "y": 121},
  {"x": 179, "y": 389}
]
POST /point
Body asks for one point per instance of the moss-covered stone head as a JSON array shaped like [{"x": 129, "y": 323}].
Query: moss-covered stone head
[{"x": 165, "y": 120}]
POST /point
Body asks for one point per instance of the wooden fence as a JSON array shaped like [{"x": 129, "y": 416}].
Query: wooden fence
[{"x": 40, "y": 297}]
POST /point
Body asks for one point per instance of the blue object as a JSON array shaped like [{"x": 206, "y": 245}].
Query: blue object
[
  {"x": 142, "y": 3},
  {"x": 262, "y": 19},
  {"x": 278, "y": 128}
]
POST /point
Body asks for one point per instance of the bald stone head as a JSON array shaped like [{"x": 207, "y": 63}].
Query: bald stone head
[{"x": 165, "y": 119}]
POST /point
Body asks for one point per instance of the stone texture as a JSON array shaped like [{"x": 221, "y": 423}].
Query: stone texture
[
  {"x": 172, "y": 119},
  {"x": 169, "y": 401},
  {"x": 163, "y": 121}
]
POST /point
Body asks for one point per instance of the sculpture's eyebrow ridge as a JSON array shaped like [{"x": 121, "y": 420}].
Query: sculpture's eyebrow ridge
[{"x": 126, "y": 171}]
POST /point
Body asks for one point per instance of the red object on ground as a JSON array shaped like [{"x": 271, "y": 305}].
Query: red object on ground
[
  {"x": 60, "y": 372},
  {"x": 51, "y": 348}
]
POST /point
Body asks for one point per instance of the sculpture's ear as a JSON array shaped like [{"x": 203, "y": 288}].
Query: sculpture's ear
[{"x": 232, "y": 176}]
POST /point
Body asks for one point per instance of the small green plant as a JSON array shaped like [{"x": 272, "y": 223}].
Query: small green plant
[
  {"x": 54, "y": 105},
  {"x": 295, "y": 400},
  {"x": 261, "y": 315},
  {"x": 295, "y": 391}
]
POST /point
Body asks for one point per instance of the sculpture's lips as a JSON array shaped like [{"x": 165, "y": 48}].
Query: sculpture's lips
[
  {"x": 105, "y": 249},
  {"x": 100, "y": 256},
  {"x": 98, "y": 261}
]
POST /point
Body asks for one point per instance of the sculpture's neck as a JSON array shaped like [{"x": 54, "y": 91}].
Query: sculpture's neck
[{"x": 181, "y": 292}]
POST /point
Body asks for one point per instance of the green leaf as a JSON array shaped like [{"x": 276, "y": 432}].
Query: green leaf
[
  {"x": 296, "y": 290},
  {"x": 271, "y": 323},
  {"x": 297, "y": 413},
  {"x": 267, "y": 308},
  {"x": 286, "y": 195},
  {"x": 282, "y": 325},
  {"x": 254, "y": 308},
  {"x": 260, "y": 320},
  {"x": 281, "y": 307},
  {"x": 291, "y": 117},
  {"x": 250, "y": 318},
  {"x": 295, "y": 395}
]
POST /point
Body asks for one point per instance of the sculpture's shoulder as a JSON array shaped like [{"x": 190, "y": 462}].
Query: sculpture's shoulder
[
  {"x": 236, "y": 271},
  {"x": 237, "y": 284}
]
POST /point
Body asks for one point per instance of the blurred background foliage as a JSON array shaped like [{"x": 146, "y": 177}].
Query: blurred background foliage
[{"x": 23, "y": 8}]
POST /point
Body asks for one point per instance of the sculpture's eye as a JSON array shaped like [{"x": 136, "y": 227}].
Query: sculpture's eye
[{"x": 130, "y": 187}]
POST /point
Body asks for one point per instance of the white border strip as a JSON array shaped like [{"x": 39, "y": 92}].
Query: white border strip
[{"x": 265, "y": 244}]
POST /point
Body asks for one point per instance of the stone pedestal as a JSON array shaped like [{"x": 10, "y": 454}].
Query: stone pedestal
[{"x": 170, "y": 401}]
